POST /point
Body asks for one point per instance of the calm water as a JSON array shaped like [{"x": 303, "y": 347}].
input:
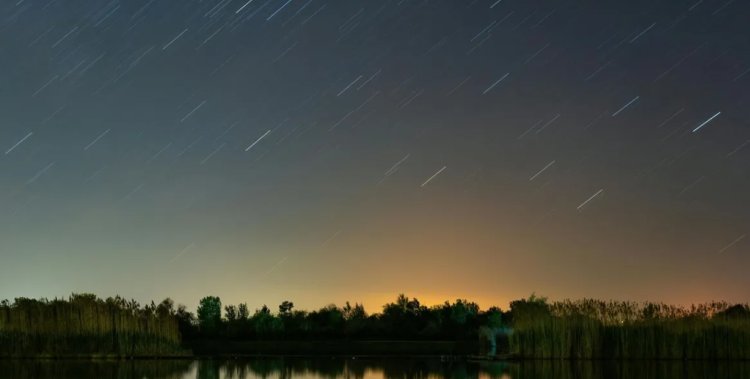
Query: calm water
[{"x": 364, "y": 368}]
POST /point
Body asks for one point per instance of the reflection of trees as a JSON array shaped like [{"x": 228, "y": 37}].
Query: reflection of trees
[
  {"x": 354, "y": 368},
  {"x": 287, "y": 368},
  {"x": 209, "y": 369},
  {"x": 82, "y": 369},
  {"x": 642, "y": 369}
]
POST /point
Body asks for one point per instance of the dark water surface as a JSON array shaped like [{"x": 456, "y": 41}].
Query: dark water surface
[{"x": 374, "y": 368}]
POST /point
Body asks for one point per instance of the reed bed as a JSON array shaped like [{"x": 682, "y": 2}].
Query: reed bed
[
  {"x": 593, "y": 329},
  {"x": 87, "y": 326}
]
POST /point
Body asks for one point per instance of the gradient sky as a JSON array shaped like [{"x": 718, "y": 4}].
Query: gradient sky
[{"x": 322, "y": 151}]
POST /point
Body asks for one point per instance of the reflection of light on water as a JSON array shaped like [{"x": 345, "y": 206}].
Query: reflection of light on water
[
  {"x": 484, "y": 375},
  {"x": 374, "y": 374},
  {"x": 347, "y": 369},
  {"x": 192, "y": 372}
]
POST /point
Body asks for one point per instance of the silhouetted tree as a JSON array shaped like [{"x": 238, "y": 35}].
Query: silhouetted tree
[
  {"x": 242, "y": 312},
  {"x": 265, "y": 324},
  {"x": 285, "y": 307},
  {"x": 209, "y": 314},
  {"x": 327, "y": 321},
  {"x": 230, "y": 312},
  {"x": 355, "y": 318},
  {"x": 405, "y": 317},
  {"x": 186, "y": 322}
]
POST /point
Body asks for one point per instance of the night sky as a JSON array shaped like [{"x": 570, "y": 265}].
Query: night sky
[{"x": 320, "y": 151}]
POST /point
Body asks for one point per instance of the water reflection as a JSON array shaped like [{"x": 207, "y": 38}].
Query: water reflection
[
  {"x": 347, "y": 368},
  {"x": 84, "y": 369},
  {"x": 314, "y": 368}
]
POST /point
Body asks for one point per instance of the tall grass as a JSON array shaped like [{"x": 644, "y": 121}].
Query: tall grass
[
  {"x": 592, "y": 329},
  {"x": 86, "y": 325}
]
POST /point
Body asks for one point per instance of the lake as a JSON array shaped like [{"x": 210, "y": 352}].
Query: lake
[{"x": 370, "y": 368}]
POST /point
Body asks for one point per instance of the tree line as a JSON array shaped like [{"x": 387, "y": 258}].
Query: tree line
[
  {"x": 530, "y": 328},
  {"x": 405, "y": 318}
]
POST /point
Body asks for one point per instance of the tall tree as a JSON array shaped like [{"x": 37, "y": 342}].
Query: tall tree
[
  {"x": 285, "y": 307},
  {"x": 230, "y": 312},
  {"x": 242, "y": 312},
  {"x": 209, "y": 313}
]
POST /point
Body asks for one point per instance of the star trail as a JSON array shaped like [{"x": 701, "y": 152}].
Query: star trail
[{"x": 322, "y": 151}]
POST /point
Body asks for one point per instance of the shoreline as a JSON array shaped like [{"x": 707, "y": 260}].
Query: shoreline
[{"x": 443, "y": 358}]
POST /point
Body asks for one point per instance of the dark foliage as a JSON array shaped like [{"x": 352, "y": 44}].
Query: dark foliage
[
  {"x": 587, "y": 329},
  {"x": 404, "y": 319},
  {"x": 87, "y": 325},
  {"x": 533, "y": 328}
]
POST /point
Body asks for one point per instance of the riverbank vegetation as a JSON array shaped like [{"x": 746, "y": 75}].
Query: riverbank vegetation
[
  {"x": 85, "y": 325},
  {"x": 531, "y": 328},
  {"x": 593, "y": 329},
  {"x": 404, "y": 319}
]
